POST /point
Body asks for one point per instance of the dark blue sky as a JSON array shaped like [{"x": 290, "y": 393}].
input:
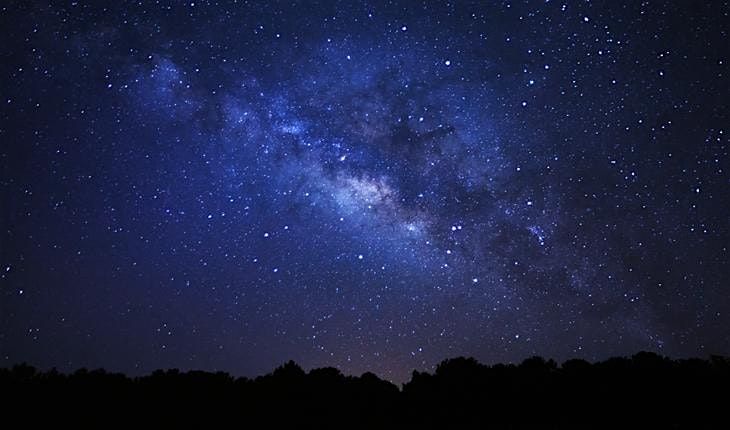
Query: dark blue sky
[{"x": 366, "y": 185}]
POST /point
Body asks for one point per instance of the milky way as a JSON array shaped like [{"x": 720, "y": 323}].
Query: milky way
[{"x": 361, "y": 185}]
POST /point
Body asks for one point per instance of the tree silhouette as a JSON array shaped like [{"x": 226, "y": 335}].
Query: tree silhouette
[{"x": 646, "y": 390}]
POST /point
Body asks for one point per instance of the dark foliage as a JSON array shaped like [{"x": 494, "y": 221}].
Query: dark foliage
[{"x": 644, "y": 391}]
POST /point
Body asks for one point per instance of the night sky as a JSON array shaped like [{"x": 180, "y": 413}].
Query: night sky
[{"x": 372, "y": 186}]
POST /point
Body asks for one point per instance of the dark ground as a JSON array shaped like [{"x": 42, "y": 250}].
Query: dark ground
[{"x": 644, "y": 391}]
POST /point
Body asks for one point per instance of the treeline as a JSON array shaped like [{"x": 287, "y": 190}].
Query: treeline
[{"x": 643, "y": 391}]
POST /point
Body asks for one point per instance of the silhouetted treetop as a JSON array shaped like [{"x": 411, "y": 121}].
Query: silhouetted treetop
[{"x": 643, "y": 390}]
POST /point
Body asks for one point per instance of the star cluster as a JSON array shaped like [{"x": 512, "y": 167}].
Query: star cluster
[{"x": 368, "y": 185}]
